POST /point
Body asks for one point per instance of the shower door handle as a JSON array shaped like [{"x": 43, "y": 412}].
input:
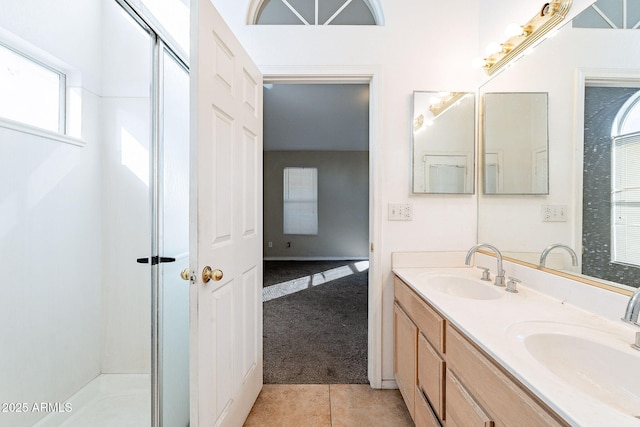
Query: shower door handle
[{"x": 155, "y": 260}]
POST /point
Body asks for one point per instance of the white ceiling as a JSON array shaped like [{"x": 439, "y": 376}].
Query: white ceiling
[{"x": 319, "y": 117}]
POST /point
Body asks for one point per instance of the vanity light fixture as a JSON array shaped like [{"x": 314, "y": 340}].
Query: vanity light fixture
[
  {"x": 438, "y": 104},
  {"x": 418, "y": 122},
  {"x": 521, "y": 37},
  {"x": 445, "y": 101}
]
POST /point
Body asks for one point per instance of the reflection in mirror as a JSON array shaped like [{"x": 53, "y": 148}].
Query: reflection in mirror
[
  {"x": 611, "y": 208},
  {"x": 522, "y": 227},
  {"x": 443, "y": 142},
  {"x": 515, "y": 143}
]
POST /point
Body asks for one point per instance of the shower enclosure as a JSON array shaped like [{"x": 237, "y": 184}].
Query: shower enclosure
[{"x": 94, "y": 314}]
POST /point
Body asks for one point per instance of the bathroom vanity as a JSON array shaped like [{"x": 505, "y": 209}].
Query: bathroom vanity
[
  {"x": 443, "y": 375},
  {"x": 467, "y": 353}
]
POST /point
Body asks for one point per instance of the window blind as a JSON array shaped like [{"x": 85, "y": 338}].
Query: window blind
[
  {"x": 300, "y": 196},
  {"x": 625, "y": 198}
]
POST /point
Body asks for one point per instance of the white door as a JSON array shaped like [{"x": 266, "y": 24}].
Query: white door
[{"x": 226, "y": 223}]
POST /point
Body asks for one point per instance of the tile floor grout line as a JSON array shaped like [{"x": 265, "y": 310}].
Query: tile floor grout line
[{"x": 330, "y": 413}]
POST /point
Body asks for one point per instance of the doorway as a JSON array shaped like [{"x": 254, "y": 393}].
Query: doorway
[{"x": 317, "y": 232}]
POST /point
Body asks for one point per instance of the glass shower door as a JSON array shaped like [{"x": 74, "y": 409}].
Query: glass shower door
[{"x": 173, "y": 221}]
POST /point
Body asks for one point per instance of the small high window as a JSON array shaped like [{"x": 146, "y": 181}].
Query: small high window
[
  {"x": 31, "y": 92},
  {"x": 315, "y": 12},
  {"x": 300, "y": 201}
]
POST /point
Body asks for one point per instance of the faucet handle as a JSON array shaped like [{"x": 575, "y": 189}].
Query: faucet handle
[
  {"x": 486, "y": 274},
  {"x": 636, "y": 345},
  {"x": 512, "y": 285}
]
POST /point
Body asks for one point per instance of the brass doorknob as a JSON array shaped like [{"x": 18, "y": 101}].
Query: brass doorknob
[
  {"x": 185, "y": 274},
  {"x": 210, "y": 274}
]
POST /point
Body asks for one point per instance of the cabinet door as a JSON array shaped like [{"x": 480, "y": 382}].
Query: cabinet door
[
  {"x": 424, "y": 414},
  {"x": 509, "y": 403},
  {"x": 431, "y": 371},
  {"x": 428, "y": 321},
  {"x": 462, "y": 410},
  {"x": 405, "y": 356}
]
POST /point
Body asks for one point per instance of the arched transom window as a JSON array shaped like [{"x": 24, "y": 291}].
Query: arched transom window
[
  {"x": 315, "y": 12},
  {"x": 612, "y": 14}
]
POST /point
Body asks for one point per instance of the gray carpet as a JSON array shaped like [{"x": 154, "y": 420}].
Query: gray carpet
[{"x": 317, "y": 335}]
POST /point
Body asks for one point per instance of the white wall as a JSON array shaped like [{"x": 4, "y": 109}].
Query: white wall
[
  {"x": 343, "y": 205},
  {"x": 423, "y": 46},
  {"x": 50, "y": 222}
]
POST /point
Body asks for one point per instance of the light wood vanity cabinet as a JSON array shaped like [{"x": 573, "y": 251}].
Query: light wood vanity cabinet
[
  {"x": 405, "y": 355},
  {"x": 431, "y": 374},
  {"x": 507, "y": 402},
  {"x": 446, "y": 380},
  {"x": 420, "y": 330},
  {"x": 462, "y": 409}
]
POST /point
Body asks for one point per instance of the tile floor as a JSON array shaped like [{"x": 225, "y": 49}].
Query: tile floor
[{"x": 331, "y": 405}]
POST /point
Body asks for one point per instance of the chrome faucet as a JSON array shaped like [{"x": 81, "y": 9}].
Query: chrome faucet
[
  {"x": 499, "y": 281},
  {"x": 633, "y": 309},
  {"x": 631, "y": 315},
  {"x": 545, "y": 252}
]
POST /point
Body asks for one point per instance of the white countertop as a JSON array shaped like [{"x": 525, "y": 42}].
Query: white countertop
[{"x": 496, "y": 326}]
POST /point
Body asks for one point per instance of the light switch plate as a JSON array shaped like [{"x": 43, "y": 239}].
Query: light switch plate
[
  {"x": 554, "y": 213},
  {"x": 400, "y": 212}
]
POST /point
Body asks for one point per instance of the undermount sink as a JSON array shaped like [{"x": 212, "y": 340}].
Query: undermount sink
[
  {"x": 463, "y": 287},
  {"x": 590, "y": 360}
]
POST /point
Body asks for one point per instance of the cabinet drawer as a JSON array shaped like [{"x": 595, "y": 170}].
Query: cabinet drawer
[
  {"x": 405, "y": 356},
  {"x": 462, "y": 409},
  {"x": 424, "y": 414},
  {"x": 431, "y": 371},
  {"x": 430, "y": 323},
  {"x": 495, "y": 390}
]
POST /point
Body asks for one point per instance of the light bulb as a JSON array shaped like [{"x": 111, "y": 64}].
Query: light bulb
[
  {"x": 493, "y": 47},
  {"x": 478, "y": 63},
  {"x": 513, "y": 30}
]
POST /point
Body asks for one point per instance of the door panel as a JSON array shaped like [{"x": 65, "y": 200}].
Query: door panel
[
  {"x": 223, "y": 191},
  {"x": 174, "y": 242},
  {"x": 251, "y": 180},
  {"x": 226, "y": 232},
  {"x": 249, "y": 322}
]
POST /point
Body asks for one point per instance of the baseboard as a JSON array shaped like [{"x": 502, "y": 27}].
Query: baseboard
[
  {"x": 389, "y": 385},
  {"x": 323, "y": 258}
]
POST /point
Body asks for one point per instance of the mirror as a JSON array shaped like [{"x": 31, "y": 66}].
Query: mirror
[
  {"x": 523, "y": 226},
  {"x": 515, "y": 143},
  {"x": 443, "y": 142}
]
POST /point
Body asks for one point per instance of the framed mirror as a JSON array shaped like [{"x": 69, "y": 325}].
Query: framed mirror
[
  {"x": 566, "y": 67},
  {"x": 443, "y": 142},
  {"x": 515, "y": 143}
]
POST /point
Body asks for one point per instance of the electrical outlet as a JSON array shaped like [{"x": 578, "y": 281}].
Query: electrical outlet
[
  {"x": 554, "y": 213},
  {"x": 270, "y": 244},
  {"x": 400, "y": 212}
]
